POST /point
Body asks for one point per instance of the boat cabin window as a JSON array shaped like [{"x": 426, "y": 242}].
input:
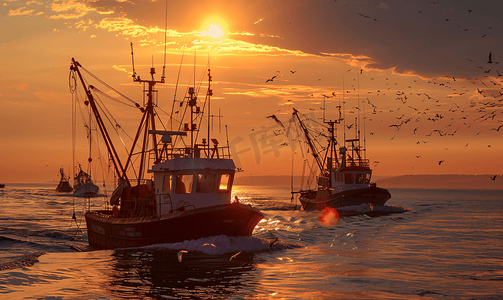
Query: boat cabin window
[
  {"x": 367, "y": 177},
  {"x": 224, "y": 183},
  {"x": 349, "y": 178},
  {"x": 360, "y": 178},
  {"x": 206, "y": 183},
  {"x": 166, "y": 183},
  {"x": 184, "y": 183}
]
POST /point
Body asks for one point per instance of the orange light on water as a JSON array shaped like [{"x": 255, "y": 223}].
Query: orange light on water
[{"x": 329, "y": 216}]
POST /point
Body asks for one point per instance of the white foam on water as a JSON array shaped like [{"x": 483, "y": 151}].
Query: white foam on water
[{"x": 218, "y": 245}]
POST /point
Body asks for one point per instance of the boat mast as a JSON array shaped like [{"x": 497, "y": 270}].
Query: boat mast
[{"x": 147, "y": 121}]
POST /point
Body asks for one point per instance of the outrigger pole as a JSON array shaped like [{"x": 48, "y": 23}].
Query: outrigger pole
[{"x": 108, "y": 141}]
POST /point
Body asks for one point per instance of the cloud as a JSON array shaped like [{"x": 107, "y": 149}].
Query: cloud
[
  {"x": 383, "y": 6},
  {"x": 21, "y": 12},
  {"x": 128, "y": 27},
  {"x": 116, "y": 67},
  {"x": 19, "y": 87},
  {"x": 52, "y": 97},
  {"x": 79, "y": 10}
]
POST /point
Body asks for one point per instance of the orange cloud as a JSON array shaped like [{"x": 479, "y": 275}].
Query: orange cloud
[
  {"x": 21, "y": 12},
  {"x": 80, "y": 10}
]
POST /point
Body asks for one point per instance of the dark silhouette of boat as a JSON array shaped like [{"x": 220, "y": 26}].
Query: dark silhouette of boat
[
  {"x": 343, "y": 180},
  {"x": 64, "y": 184},
  {"x": 188, "y": 195}
]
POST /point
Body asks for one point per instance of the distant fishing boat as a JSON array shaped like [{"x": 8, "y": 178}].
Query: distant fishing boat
[
  {"x": 64, "y": 184},
  {"x": 343, "y": 181},
  {"x": 84, "y": 185},
  {"x": 2, "y": 185},
  {"x": 189, "y": 193}
]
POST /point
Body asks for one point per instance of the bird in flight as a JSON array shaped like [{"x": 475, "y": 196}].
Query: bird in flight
[
  {"x": 440, "y": 162},
  {"x": 234, "y": 256},
  {"x": 180, "y": 253},
  {"x": 271, "y": 79},
  {"x": 276, "y": 119},
  {"x": 490, "y": 61},
  {"x": 498, "y": 128},
  {"x": 493, "y": 177}
]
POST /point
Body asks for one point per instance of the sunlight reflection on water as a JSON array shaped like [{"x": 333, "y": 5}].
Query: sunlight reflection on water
[{"x": 448, "y": 246}]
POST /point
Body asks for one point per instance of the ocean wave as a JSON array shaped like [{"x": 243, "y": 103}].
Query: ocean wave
[{"x": 23, "y": 261}]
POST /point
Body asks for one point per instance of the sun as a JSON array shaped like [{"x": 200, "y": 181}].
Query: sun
[{"x": 214, "y": 31}]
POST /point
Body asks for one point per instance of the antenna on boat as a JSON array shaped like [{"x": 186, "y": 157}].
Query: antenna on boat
[
  {"x": 227, "y": 136},
  {"x": 343, "y": 108},
  {"x": 132, "y": 58},
  {"x": 165, "y": 43}
]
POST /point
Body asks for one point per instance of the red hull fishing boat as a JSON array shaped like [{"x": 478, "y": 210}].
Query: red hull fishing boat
[
  {"x": 341, "y": 182},
  {"x": 188, "y": 195}
]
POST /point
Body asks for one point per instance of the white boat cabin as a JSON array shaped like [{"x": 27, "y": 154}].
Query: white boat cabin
[
  {"x": 346, "y": 178},
  {"x": 185, "y": 183}
]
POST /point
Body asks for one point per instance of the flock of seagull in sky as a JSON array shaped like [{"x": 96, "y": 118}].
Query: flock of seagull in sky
[{"x": 446, "y": 115}]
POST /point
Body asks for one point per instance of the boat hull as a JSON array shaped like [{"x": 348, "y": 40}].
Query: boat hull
[
  {"x": 107, "y": 232},
  {"x": 372, "y": 195},
  {"x": 86, "y": 190},
  {"x": 64, "y": 187}
]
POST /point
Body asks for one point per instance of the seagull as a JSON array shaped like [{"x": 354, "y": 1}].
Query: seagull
[
  {"x": 180, "y": 253},
  {"x": 490, "y": 61},
  {"x": 234, "y": 256},
  {"x": 440, "y": 162},
  {"x": 276, "y": 119},
  {"x": 493, "y": 177},
  {"x": 498, "y": 128},
  {"x": 272, "y": 243},
  {"x": 271, "y": 79}
]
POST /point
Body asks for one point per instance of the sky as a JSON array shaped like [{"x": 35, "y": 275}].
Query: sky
[{"x": 423, "y": 77}]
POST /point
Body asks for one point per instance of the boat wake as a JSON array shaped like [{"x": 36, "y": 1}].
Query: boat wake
[
  {"x": 27, "y": 260},
  {"x": 222, "y": 244},
  {"x": 370, "y": 210}
]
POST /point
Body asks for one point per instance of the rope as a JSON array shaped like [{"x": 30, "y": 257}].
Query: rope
[{"x": 108, "y": 86}]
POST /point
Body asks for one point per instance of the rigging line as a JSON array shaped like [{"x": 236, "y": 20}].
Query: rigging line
[
  {"x": 113, "y": 122},
  {"x": 204, "y": 105},
  {"x": 176, "y": 86},
  {"x": 99, "y": 104},
  {"x": 108, "y": 86},
  {"x": 74, "y": 125},
  {"x": 111, "y": 98}
]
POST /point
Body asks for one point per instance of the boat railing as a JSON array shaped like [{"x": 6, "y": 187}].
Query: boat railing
[
  {"x": 365, "y": 163},
  {"x": 199, "y": 151},
  {"x": 341, "y": 188}
]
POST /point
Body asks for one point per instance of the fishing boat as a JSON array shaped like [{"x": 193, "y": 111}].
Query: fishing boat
[
  {"x": 2, "y": 185},
  {"x": 343, "y": 180},
  {"x": 64, "y": 183},
  {"x": 84, "y": 185},
  {"x": 188, "y": 193}
]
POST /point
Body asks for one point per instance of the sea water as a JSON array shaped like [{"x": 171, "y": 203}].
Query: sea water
[{"x": 447, "y": 245}]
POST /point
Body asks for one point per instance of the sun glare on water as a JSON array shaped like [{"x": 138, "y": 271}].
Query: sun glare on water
[{"x": 214, "y": 32}]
